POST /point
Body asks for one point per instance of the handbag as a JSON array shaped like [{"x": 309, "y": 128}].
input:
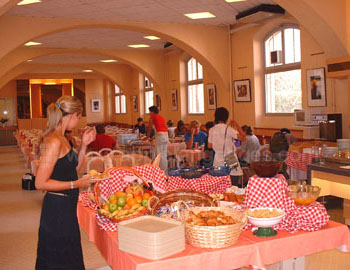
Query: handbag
[{"x": 230, "y": 160}]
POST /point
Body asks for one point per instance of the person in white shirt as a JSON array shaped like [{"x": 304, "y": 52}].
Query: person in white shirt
[
  {"x": 249, "y": 150},
  {"x": 171, "y": 129},
  {"x": 217, "y": 137}
]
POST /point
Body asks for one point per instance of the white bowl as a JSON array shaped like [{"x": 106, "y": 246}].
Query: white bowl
[{"x": 265, "y": 222}]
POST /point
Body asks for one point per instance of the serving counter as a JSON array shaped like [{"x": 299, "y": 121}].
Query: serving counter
[
  {"x": 249, "y": 250},
  {"x": 333, "y": 179}
]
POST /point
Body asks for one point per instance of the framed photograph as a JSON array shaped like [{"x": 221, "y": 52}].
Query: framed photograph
[
  {"x": 211, "y": 91},
  {"x": 316, "y": 87},
  {"x": 134, "y": 103},
  {"x": 158, "y": 102},
  {"x": 242, "y": 90},
  {"x": 95, "y": 105},
  {"x": 173, "y": 93}
]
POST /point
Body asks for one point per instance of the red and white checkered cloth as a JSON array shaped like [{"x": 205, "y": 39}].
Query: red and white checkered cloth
[
  {"x": 271, "y": 192},
  {"x": 298, "y": 160},
  {"x": 206, "y": 183},
  {"x": 105, "y": 223},
  {"x": 86, "y": 201}
]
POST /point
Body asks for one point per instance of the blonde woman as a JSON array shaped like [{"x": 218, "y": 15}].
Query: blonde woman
[{"x": 59, "y": 245}]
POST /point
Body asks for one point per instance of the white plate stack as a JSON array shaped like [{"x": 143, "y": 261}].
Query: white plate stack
[
  {"x": 343, "y": 144},
  {"x": 151, "y": 237},
  {"x": 330, "y": 151}
]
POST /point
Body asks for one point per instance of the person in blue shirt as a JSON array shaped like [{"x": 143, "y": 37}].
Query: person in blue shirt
[
  {"x": 140, "y": 126},
  {"x": 195, "y": 135}
]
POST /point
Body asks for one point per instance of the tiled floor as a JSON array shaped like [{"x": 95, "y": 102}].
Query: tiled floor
[{"x": 20, "y": 213}]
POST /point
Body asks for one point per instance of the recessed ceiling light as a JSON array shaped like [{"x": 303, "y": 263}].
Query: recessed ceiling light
[
  {"x": 28, "y": 2},
  {"x": 200, "y": 15},
  {"x": 32, "y": 43},
  {"x": 152, "y": 37},
  {"x": 232, "y": 1},
  {"x": 138, "y": 46},
  {"x": 87, "y": 70},
  {"x": 108, "y": 61}
]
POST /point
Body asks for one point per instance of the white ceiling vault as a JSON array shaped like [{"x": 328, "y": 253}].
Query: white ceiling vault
[{"x": 168, "y": 11}]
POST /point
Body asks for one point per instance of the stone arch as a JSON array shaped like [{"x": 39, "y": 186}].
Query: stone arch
[
  {"x": 210, "y": 48},
  {"x": 21, "y": 55}
]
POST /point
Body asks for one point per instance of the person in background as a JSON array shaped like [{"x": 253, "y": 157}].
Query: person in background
[
  {"x": 161, "y": 137},
  {"x": 180, "y": 129},
  {"x": 70, "y": 138},
  {"x": 59, "y": 245},
  {"x": 209, "y": 159},
  {"x": 290, "y": 137},
  {"x": 140, "y": 126},
  {"x": 102, "y": 140},
  {"x": 217, "y": 139},
  {"x": 195, "y": 135},
  {"x": 250, "y": 147},
  {"x": 171, "y": 129}
]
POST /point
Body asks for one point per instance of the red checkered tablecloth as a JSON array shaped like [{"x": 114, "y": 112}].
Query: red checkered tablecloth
[
  {"x": 298, "y": 160},
  {"x": 206, "y": 184},
  {"x": 86, "y": 201},
  {"x": 271, "y": 192}
]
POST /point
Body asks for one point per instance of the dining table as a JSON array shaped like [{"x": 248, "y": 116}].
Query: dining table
[
  {"x": 249, "y": 250},
  {"x": 193, "y": 156}
]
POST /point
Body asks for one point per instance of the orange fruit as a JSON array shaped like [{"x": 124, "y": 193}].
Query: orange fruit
[
  {"x": 138, "y": 199},
  {"x": 113, "y": 201},
  {"x": 131, "y": 202},
  {"x": 146, "y": 196},
  {"x": 120, "y": 193},
  {"x": 127, "y": 207}
]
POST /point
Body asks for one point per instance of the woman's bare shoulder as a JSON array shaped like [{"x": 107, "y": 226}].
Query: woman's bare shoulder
[{"x": 52, "y": 140}]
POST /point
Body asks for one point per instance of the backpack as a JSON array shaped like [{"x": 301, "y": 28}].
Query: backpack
[{"x": 279, "y": 144}]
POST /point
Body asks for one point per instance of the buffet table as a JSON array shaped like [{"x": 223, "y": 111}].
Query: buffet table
[{"x": 249, "y": 250}]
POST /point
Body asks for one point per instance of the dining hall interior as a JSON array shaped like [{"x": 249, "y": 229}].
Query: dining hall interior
[{"x": 265, "y": 61}]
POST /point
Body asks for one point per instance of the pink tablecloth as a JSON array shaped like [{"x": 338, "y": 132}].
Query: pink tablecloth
[
  {"x": 174, "y": 148},
  {"x": 206, "y": 184},
  {"x": 249, "y": 250}
]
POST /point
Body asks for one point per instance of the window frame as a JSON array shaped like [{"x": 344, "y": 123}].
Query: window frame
[
  {"x": 148, "y": 88},
  {"x": 120, "y": 94},
  {"x": 194, "y": 82},
  {"x": 279, "y": 68}
]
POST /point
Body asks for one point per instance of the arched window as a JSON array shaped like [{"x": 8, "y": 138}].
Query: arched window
[
  {"x": 120, "y": 100},
  {"x": 195, "y": 92},
  {"x": 148, "y": 94},
  {"x": 282, "y": 70}
]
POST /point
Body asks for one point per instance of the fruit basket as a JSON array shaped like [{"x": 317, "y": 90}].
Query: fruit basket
[
  {"x": 123, "y": 204},
  {"x": 209, "y": 233},
  {"x": 159, "y": 205}
]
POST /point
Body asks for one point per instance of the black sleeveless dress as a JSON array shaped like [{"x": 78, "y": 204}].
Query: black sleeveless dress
[{"x": 59, "y": 245}]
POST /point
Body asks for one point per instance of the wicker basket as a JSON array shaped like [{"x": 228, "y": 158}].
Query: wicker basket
[
  {"x": 186, "y": 195},
  {"x": 215, "y": 236},
  {"x": 98, "y": 197}
]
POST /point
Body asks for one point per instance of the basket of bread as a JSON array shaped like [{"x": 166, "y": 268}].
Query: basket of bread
[
  {"x": 122, "y": 204},
  {"x": 213, "y": 227}
]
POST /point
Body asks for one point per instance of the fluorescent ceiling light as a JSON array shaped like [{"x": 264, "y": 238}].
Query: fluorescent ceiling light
[
  {"x": 28, "y": 2},
  {"x": 87, "y": 70},
  {"x": 32, "y": 43},
  {"x": 29, "y": 60},
  {"x": 138, "y": 46},
  {"x": 200, "y": 15},
  {"x": 152, "y": 37},
  {"x": 232, "y": 1},
  {"x": 108, "y": 61}
]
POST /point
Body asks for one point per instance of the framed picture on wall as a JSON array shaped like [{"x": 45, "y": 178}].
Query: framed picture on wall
[
  {"x": 158, "y": 102},
  {"x": 211, "y": 91},
  {"x": 242, "y": 90},
  {"x": 95, "y": 105},
  {"x": 134, "y": 103},
  {"x": 316, "y": 87},
  {"x": 173, "y": 93}
]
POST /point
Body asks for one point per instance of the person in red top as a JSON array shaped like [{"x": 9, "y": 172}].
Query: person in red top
[
  {"x": 161, "y": 137},
  {"x": 102, "y": 140}
]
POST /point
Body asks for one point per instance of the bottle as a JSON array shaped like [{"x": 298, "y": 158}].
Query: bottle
[
  {"x": 322, "y": 153},
  {"x": 263, "y": 140}
]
